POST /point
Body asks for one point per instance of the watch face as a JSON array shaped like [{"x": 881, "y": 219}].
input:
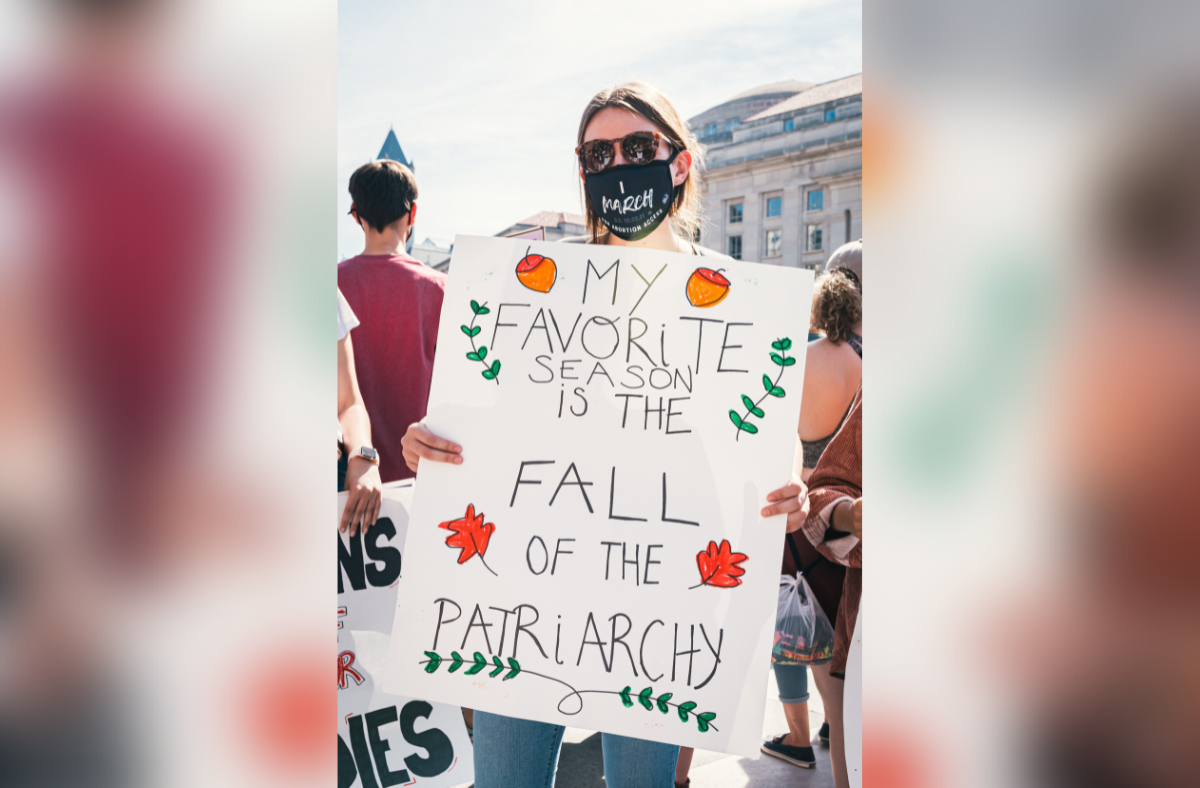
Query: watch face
[{"x": 369, "y": 453}]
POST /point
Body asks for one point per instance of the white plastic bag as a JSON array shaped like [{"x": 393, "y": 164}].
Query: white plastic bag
[{"x": 803, "y": 634}]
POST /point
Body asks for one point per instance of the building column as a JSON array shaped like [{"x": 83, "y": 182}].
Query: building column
[
  {"x": 715, "y": 235},
  {"x": 752, "y": 240},
  {"x": 793, "y": 228}
]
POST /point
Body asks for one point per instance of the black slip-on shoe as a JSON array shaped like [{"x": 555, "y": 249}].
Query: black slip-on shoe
[
  {"x": 799, "y": 756},
  {"x": 823, "y": 734}
]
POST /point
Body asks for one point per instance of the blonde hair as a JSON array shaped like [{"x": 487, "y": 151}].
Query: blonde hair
[
  {"x": 687, "y": 208},
  {"x": 837, "y": 305}
]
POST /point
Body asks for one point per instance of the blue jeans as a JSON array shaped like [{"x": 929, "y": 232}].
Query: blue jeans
[
  {"x": 792, "y": 681},
  {"x": 513, "y": 753}
]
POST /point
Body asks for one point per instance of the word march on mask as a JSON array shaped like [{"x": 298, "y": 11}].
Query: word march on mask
[{"x": 632, "y": 200}]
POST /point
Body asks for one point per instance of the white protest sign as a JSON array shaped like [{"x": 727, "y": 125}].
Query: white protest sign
[
  {"x": 852, "y": 709},
  {"x": 599, "y": 558},
  {"x": 386, "y": 739}
]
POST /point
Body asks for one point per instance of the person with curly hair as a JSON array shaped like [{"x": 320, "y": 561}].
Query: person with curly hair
[{"x": 833, "y": 365}]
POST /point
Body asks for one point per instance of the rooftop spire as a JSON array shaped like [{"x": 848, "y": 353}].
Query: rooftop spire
[{"x": 391, "y": 150}]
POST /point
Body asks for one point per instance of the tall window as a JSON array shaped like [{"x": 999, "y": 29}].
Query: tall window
[
  {"x": 774, "y": 206},
  {"x": 710, "y": 130},
  {"x": 814, "y": 238},
  {"x": 735, "y": 247},
  {"x": 847, "y": 225},
  {"x": 729, "y": 124},
  {"x": 774, "y": 243},
  {"x": 830, "y": 115},
  {"x": 735, "y": 213},
  {"x": 816, "y": 200},
  {"x": 789, "y": 124}
]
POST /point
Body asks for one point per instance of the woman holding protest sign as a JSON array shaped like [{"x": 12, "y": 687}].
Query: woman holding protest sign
[{"x": 628, "y": 134}]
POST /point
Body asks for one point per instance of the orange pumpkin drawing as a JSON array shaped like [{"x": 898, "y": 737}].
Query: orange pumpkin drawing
[
  {"x": 706, "y": 287},
  {"x": 537, "y": 272}
]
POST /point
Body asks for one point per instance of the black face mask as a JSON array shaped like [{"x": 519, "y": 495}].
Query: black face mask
[{"x": 632, "y": 200}]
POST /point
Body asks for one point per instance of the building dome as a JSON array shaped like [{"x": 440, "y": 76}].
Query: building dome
[
  {"x": 790, "y": 86},
  {"x": 715, "y": 125}
]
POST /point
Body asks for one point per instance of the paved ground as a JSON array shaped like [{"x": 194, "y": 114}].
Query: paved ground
[
  {"x": 581, "y": 764},
  {"x": 715, "y": 770}
]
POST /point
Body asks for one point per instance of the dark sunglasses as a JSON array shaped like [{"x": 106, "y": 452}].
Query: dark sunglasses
[{"x": 640, "y": 147}]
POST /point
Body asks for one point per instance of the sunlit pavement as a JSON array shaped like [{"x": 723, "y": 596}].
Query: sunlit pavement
[{"x": 716, "y": 770}]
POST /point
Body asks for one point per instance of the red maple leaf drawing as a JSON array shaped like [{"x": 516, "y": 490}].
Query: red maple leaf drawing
[
  {"x": 720, "y": 566},
  {"x": 470, "y": 534}
]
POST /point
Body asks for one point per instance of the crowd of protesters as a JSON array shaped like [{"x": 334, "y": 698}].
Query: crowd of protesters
[{"x": 390, "y": 303}]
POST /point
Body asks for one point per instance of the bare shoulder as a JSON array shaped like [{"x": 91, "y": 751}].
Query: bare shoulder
[{"x": 831, "y": 369}]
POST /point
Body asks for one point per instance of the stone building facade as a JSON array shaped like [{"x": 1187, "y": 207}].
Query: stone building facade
[{"x": 784, "y": 185}]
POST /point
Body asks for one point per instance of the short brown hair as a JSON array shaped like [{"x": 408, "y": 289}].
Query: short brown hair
[
  {"x": 837, "y": 306},
  {"x": 382, "y": 190},
  {"x": 687, "y": 207}
]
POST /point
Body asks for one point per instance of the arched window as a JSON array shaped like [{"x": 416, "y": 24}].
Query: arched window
[{"x": 847, "y": 225}]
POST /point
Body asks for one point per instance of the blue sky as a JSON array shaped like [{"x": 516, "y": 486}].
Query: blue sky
[{"x": 485, "y": 97}]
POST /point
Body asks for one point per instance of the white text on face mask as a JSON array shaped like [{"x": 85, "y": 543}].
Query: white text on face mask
[{"x": 634, "y": 202}]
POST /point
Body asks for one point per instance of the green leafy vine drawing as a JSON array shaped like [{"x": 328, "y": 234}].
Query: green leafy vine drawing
[
  {"x": 478, "y": 663},
  {"x": 490, "y": 371},
  {"x": 783, "y": 361},
  {"x": 647, "y": 699}
]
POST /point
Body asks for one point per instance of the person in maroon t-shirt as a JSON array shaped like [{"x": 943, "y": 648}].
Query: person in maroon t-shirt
[{"x": 398, "y": 301}]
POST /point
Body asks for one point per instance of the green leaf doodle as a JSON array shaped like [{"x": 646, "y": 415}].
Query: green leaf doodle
[
  {"x": 489, "y": 371},
  {"x": 477, "y": 664},
  {"x": 662, "y": 702},
  {"x": 480, "y": 664},
  {"x": 514, "y": 669},
  {"x": 499, "y": 667},
  {"x": 750, "y": 406},
  {"x": 781, "y": 360}
]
